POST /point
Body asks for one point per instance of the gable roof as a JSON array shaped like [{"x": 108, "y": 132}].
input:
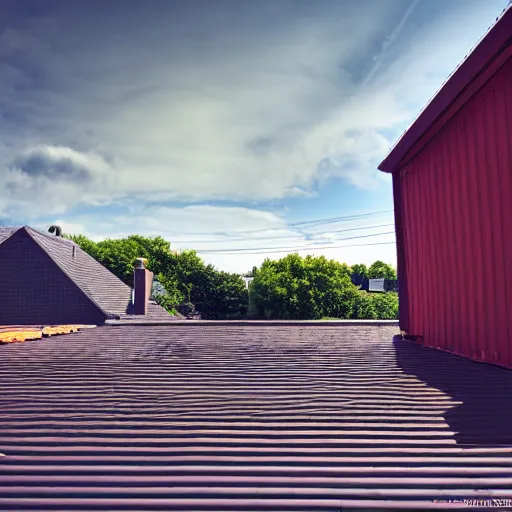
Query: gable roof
[
  {"x": 6, "y": 232},
  {"x": 493, "y": 43},
  {"x": 100, "y": 285}
]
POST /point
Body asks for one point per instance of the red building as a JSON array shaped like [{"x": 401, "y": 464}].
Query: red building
[{"x": 452, "y": 185}]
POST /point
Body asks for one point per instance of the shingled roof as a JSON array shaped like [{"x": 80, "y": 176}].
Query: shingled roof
[
  {"x": 255, "y": 417},
  {"x": 102, "y": 287},
  {"x": 6, "y": 232}
]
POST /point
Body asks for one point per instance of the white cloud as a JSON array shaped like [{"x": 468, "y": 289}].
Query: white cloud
[
  {"x": 57, "y": 174},
  {"x": 390, "y": 40},
  {"x": 240, "y": 114},
  {"x": 248, "y": 116}
]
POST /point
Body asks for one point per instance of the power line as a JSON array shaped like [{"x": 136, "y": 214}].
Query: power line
[
  {"x": 304, "y": 249},
  {"x": 286, "y": 226},
  {"x": 338, "y": 219},
  {"x": 246, "y": 237},
  {"x": 280, "y": 249}
]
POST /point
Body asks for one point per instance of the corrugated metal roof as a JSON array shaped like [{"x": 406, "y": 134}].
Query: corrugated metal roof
[
  {"x": 219, "y": 417},
  {"x": 20, "y": 333}
]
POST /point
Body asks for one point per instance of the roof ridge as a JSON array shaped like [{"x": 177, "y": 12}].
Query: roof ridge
[
  {"x": 12, "y": 229},
  {"x": 101, "y": 287},
  {"x": 30, "y": 232},
  {"x": 54, "y": 238}
]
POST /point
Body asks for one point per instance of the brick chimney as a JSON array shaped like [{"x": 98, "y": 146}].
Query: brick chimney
[{"x": 142, "y": 284}]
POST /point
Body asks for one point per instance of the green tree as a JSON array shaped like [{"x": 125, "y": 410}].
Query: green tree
[
  {"x": 359, "y": 269},
  {"x": 216, "y": 295},
  {"x": 172, "y": 296},
  {"x": 119, "y": 255},
  {"x": 385, "y": 305},
  {"x": 379, "y": 270},
  {"x": 296, "y": 288},
  {"x": 251, "y": 273},
  {"x": 85, "y": 244},
  {"x": 230, "y": 297},
  {"x": 188, "y": 281},
  {"x": 376, "y": 306},
  {"x": 364, "y": 308}
]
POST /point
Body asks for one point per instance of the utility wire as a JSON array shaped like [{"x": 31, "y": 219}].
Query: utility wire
[
  {"x": 298, "y": 234},
  {"x": 304, "y": 249},
  {"x": 284, "y": 227},
  {"x": 338, "y": 219},
  {"x": 280, "y": 249}
]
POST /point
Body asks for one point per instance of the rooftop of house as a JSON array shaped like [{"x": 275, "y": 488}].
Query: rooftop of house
[
  {"x": 496, "y": 42},
  {"x": 102, "y": 287},
  {"x": 248, "y": 417}
]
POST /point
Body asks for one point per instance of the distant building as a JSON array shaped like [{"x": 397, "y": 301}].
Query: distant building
[
  {"x": 46, "y": 279},
  {"x": 452, "y": 184}
]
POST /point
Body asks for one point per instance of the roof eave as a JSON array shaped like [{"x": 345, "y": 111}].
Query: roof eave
[{"x": 493, "y": 40}]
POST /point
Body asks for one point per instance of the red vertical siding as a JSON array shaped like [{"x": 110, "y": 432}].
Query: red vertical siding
[{"x": 455, "y": 210}]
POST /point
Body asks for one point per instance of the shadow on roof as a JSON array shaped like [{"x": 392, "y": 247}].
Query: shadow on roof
[{"x": 484, "y": 416}]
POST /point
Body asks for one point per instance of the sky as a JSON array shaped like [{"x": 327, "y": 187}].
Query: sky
[{"x": 241, "y": 129}]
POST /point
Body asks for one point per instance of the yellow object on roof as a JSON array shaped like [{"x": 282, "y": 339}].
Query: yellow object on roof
[{"x": 17, "y": 333}]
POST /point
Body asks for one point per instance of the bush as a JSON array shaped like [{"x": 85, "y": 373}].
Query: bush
[
  {"x": 296, "y": 288},
  {"x": 379, "y": 270},
  {"x": 364, "y": 308},
  {"x": 292, "y": 288},
  {"x": 216, "y": 295},
  {"x": 359, "y": 269},
  {"x": 376, "y": 306},
  {"x": 386, "y": 305},
  {"x": 186, "y": 309},
  {"x": 167, "y": 294}
]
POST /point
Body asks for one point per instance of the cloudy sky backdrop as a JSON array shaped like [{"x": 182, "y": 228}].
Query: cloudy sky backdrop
[{"x": 231, "y": 126}]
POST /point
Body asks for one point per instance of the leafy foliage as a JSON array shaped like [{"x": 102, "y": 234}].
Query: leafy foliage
[
  {"x": 376, "y": 306},
  {"x": 86, "y": 244},
  {"x": 360, "y": 269},
  {"x": 292, "y": 288},
  {"x": 186, "y": 309},
  {"x": 296, "y": 288},
  {"x": 379, "y": 270},
  {"x": 119, "y": 255},
  {"x": 216, "y": 295},
  {"x": 386, "y": 305},
  {"x": 364, "y": 308},
  {"x": 172, "y": 296}
]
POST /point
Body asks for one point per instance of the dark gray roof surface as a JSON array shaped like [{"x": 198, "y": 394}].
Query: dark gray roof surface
[
  {"x": 220, "y": 417},
  {"x": 104, "y": 288},
  {"x": 6, "y": 232}
]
